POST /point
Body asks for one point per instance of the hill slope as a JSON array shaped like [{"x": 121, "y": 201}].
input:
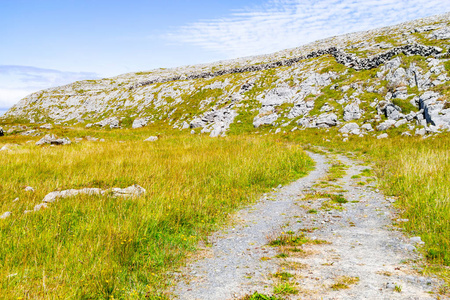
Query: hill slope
[{"x": 393, "y": 76}]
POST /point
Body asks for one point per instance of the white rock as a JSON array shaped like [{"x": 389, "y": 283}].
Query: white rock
[
  {"x": 386, "y": 125},
  {"x": 46, "y": 126},
  {"x": 53, "y": 196},
  {"x": 140, "y": 122},
  {"x": 382, "y": 136},
  {"x": 367, "y": 127},
  {"x": 400, "y": 123},
  {"x": 29, "y": 189},
  {"x": 40, "y": 206},
  {"x": 5, "y": 215},
  {"x": 352, "y": 112},
  {"x": 347, "y": 128},
  {"x": 151, "y": 139},
  {"x": 131, "y": 191},
  {"x": 53, "y": 140},
  {"x": 420, "y": 131},
  {"x": 265, "y": 120},
  {"x": 416, "y": 240}
]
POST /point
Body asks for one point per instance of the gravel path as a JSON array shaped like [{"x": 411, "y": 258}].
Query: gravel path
[{"x": 361, "y": 245}]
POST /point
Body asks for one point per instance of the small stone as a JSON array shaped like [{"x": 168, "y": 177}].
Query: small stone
[
  {"x": 420, "y": 132},
  {"x": 29, "y": 189},
  {"x": 390, "y": 285},
  {"x": 46, "y": 126},
  {"x": 151, "y": 139},
  {"x": 6, "y": 215},
  {"x": 383, "y": 136},
  {"x": 416, "y": 240},
  {"x": 38, "y": 207},
  {"x": 400, "y": 123}
]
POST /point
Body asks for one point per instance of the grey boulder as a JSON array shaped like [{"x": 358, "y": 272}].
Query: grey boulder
[
  {"x": 53, "y": 140},
  {"x": 349, "y": 128},
  {"x": 386, "y": 125},
  {"x": 140, "y": 122},
  {"x": 326, "y": 120}
]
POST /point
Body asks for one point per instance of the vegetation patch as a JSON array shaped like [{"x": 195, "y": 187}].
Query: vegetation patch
[
  {"x": 285, "y": 289},
  {"x": 91, "y": 247},
  {"x": 344, "y": 282}
]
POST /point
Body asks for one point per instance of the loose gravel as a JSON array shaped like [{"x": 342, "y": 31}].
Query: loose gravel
[{"x": 361, "y": 243}]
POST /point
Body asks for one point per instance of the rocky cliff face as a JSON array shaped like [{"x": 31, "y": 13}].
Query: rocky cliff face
[{"x": 389, "y": 77}]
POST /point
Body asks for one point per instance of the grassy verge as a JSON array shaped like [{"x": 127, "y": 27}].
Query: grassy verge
[{"x": 91, "y": 247}]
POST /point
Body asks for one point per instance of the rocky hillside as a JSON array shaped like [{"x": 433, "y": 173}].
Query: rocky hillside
[{"x": 390, "y": 77}]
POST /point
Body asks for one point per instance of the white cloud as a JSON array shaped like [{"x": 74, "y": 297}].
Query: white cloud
[
  {"x": 282, "y": 24},
  {"x": 16, "y": 82}
]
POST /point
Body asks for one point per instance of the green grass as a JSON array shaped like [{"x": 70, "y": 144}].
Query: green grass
[
  {"x": 293, "y": 240},
  {"x": 344, "y": 282},
  {"x": 258, "y": 296},
  {"x": 285, "y": 289},
  {"x": 100, "y": 247}
]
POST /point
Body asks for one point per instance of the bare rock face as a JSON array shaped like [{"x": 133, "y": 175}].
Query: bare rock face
[{"x": 265, "y": 120}]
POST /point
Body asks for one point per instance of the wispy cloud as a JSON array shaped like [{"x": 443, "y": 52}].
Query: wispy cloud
[
  {"x": 16, "y": 82},
  {"x": 281, "y": 24}
]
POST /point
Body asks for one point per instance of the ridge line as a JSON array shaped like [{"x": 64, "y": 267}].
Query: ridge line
[{"x": 348, "y": 59}]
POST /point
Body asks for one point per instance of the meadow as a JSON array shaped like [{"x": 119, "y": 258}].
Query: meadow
[{"x": 99, "y": 247}]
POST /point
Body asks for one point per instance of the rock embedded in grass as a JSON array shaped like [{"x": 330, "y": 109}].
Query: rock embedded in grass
[
  {"x": 140, "y": 122},
  {"x": 151, "y": 139},
  {"x": 53, "y": 196},
  {"x": 131, "y": 191},
  {"x": 349, "y": 128},
  {"x": 29, "y": 189},
  {"x": 5, "y": 215},
  {"x": 46, "y": 126},
  {"x": 53, "y": 140}
]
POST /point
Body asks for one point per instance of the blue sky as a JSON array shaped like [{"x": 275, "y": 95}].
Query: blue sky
[{"x": 45, "y": 43}]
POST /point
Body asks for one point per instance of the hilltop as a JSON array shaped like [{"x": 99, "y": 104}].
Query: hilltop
[{"x": 389, "y": 77}]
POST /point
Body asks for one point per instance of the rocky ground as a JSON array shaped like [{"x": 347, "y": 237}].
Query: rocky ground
[
  {"x": 386, "y": 78},
  {"x": 329, "y": 235}
]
